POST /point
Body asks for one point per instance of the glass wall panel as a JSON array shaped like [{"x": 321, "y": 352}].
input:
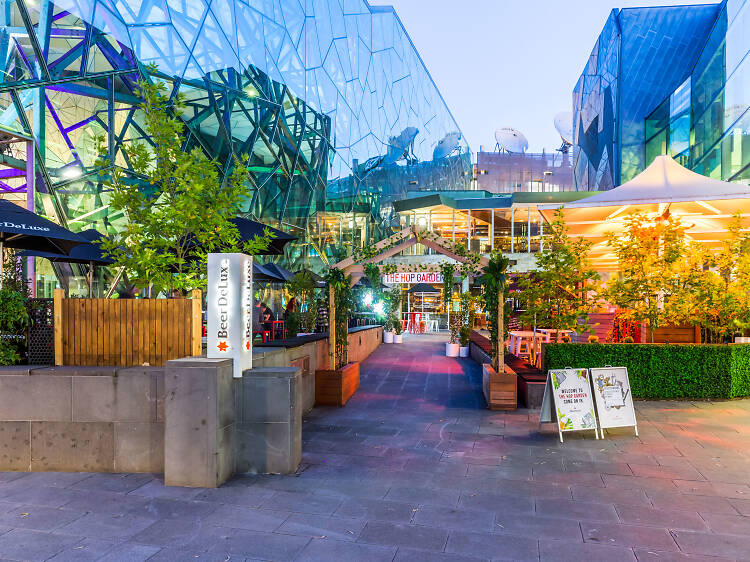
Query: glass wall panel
[{"x": 521, "y": 229}]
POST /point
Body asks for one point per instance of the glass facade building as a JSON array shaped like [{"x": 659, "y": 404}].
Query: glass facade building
[
  {"x": 505, "y": 172},
  {"x": 328, "y": 99},
  {"x": 666, "y": 80}
]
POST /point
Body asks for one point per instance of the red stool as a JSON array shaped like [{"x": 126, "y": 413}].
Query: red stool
[{"x": 273, "y": 329}]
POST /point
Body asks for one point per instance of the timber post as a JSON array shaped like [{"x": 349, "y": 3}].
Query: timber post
[
  {"x": 58, "y": 327},
  {"x": 500, "y": 330},
  {"x": 196, "y": 312}
]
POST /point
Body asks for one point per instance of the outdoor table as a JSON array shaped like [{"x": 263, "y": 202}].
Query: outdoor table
[
  {"x": 273, "y": 329},
  {"x": 547, "y": 332},
  {"x": 517, "y": 337}
]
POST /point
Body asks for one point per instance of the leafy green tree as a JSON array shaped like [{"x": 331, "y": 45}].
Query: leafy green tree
[
  {"x": 650, "y": 255},
  {"x": 556, "y": 292},
  {"x": 495, "y": 286},
  {"x": 302, "y": 287},
  {"x": 177, "y": 208}
]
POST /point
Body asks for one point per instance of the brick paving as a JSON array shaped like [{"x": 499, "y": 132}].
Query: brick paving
[{"x": 414, "y": 469}]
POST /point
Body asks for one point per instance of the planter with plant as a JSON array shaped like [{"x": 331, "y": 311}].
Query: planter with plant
[
  {"x": 464, "y": 336},
  {"x": 388, "y": 330},
  {"x": 500, "y": 385},
  {"x": 335, "y": 385},
  {"x": 398, "y": 329},
  {"x": 302, "y": 320},
  {"x": 14, "y": 318},
  {"x": 452, "y": 348}
]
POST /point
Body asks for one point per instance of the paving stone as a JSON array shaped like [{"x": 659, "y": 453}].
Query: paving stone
[
  {"x": 37, "y": 495},
  {"x": 84, "y": 551},
  {"x": 25, "y": 544},
  {"x": 728, "y": 524},
  {"x": 38, "y": 518},
  {"x": 611, "y": 495},
  {"x": 651, "y": 555},
  {"x": 423, "y": 496},
  {"x": 610, "y": 534},
  {"x": 669, "y": 519},
  {"x": 105, "y": 502},
  {"x": 252, "y": 544},
  {"x": 414, "y": 555},
  {"x": 496, "y": 502},
  {"x": 127, "y": 552},
  {"x": 743, "y": 506},
  {"x": 169, "y": 532},
  {"x": 556, "y": 551},
  {"x": 688, "y": 502},
  {"x": 681, "y": 472},
  {"x": 495, "y": 546},
  {"x": 246, "y": 518},
  {"x": 570, "y": 509},
  {"x": 403, "y": 534},
  {"x": 377, "y": 509},
  {"x": 315, "y": 526},
  {"x": 453, "y": 519},
  {"x": 729, "y": 546},
  {"x": 248, "y": 497},
  {"x": 720, "y": 489},
  {"x": 113, "y": 482},
  {"x": 183, "y": 554},
  {"x": 107, "y": 526},
  {"x": 327, "y": 550},
  {"x": 302, "y": 503},
  {"x": 538, "y": 526}
]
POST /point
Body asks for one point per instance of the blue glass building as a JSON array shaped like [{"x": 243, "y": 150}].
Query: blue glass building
[
  {"x": 666, "y": 80},
  {"x": 328, "y": 98}
]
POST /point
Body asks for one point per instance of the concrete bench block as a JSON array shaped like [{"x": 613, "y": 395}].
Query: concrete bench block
[
  {"x": 72, "y": 446},
  {"x": 269, "y": 428},
  {"x": 199, "y": 422},
  {"x": 15, "y": 446},
  {"x": 139, "y": 447},
  {"x": 128, "y": 397},
  {"x": 35, "y": 397}
]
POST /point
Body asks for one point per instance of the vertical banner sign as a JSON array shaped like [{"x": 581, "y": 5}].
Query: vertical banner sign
[
  {"x": 614, "y": 401},
  {"x": 229, "y": 302},
  {"x": 567, "y": 401}
]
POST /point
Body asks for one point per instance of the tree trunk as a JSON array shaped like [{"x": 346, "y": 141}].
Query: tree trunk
[
  {"x": 500, "y": 359},
  {"x": 331, "y": 328}
]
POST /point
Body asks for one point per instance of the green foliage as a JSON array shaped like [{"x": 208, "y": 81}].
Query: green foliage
[
  {"x": 556, "y": 293},
  {"x": 14, "y": 318},
  {"x": 649, "y": 254},
  {"x": 447, "y": 269},
  {"x": 495, "y": 287},
  {"x": 398, "y": 327},
  {"x": 464, "y": 335},
  {"x": 343, "y": 302},
  {"x": 663, "y": 371},
  {"x": 177, "y": 207},
  {"x": 454, "y": 327},
  {"x": 302, "y": 286}
]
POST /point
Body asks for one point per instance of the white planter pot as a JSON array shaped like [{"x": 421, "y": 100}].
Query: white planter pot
[
  {"x": 463, "y": 351},
  {"x": 388, "y": 337},
  {"x": 452, "y": 349},
  {"x": 398, "y": 338}
]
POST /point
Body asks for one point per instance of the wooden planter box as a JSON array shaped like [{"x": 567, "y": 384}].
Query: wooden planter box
[
  {"x": 500, "y": 389},
  {"x": 334, "y": 388}
]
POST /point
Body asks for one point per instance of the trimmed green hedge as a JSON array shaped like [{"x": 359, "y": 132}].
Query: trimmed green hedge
[{"x": 664, "y": 371}]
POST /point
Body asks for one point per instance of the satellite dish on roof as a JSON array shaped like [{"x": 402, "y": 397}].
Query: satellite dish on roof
[
  {"x": 446, "y": 145},
  {"x": 511, "y": 140},
  {"x": 564, "y": 126},
  {"x": 401, "y": 145}
]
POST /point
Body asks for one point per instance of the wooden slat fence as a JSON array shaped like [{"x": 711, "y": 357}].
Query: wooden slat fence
[{"x": 126, "y": 332}]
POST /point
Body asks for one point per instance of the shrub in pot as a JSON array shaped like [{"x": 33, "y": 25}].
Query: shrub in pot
[
  {"x": 388, "y": 330},
  {"x": 398, "y": 336},
  {"x": 452, "y": 348},
  {"x": 464, "y": 335}
]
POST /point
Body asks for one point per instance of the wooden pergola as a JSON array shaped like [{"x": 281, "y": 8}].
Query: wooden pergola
[{"x": 387, "y": 248}]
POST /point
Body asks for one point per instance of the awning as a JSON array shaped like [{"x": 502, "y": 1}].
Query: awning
[{"x": 706, "y": 206}]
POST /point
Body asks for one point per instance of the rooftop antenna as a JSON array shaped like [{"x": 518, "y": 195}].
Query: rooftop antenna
[
  {"x": 511, "y": 140},
  {"x": 564, "y": 125}
]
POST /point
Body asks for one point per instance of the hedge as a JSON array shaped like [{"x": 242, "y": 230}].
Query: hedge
[{"x": 664, "y": 371}]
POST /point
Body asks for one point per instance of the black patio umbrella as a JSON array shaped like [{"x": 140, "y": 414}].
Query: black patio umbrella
[
  {"x": 261, "y": 274},
  {"x": 25, "y": 230},
  {"x": 90, "y": 253},
  {"x": 423, "y": 288},
  {"x": 248, "y": 229},
  {"x": 279, "y": 271}
]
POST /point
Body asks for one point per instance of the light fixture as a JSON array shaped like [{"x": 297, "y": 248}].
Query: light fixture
[
  {"x": 367, "y": 299},
  {"x": 421, "y": 221},
  {"x": 379, "y": 308}
]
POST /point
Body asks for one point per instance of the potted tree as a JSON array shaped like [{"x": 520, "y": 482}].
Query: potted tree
[
  {"x": 398, "y": 336},
  {"x": 464, "y": 335},
  {"x": 302, "y": 319},
  {"x": 335, "y": 385},
  {"x": 500, "y": 386},
  {"x": 452, "y": 348},
  {"x": 388, "y": 332}
]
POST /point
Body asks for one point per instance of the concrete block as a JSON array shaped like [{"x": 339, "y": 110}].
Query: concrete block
[
  {"x": 35, "y": 397},
  {"x": 72, "y": 446},
  {"x": 139, "y": 447},
  {"x": 264, "y": 448},
  {"x": 76, "y": 371},
  {"x": 15, "y": 446},
  {"x": 269, "y": 428},
  {"x": 128, "y": 397},
  {"x": 199, "y": 422}
]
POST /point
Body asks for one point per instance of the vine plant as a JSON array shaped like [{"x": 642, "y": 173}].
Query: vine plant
[{"x": 343, "y": 301}]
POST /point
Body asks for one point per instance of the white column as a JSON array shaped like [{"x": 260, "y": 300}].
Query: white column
[
  {"x": 453, "y": 234},
  {"x": 541, "y": 231},
  {"x": 528, "y": 230},
  {"x": 512, "y": 229},
  {"x": 468, "y": 234},
  {"x": 492, "y": 231}
]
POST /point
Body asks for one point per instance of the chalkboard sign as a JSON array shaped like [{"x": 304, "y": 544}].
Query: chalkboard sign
[
  {"x": 614, "y": 401},
  {"x": 567, "y": 401}
]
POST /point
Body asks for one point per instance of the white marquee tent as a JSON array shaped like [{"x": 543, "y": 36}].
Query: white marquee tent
[{"x": 707, "y": 206}]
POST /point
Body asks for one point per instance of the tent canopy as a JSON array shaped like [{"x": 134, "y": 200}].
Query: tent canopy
[
  {"x": 706, "y": 206},
  {"x": 423, "y": 288}
]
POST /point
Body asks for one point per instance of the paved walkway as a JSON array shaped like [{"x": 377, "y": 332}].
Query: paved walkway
[{"x": 413, "y": 469}]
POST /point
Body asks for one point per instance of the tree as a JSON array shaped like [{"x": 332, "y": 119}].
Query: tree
[
  {"x": 177, "y": 208},
  {"x": 302, "y": 286},
  {"x": 495, "y": 283},
  {"x": 651, "y": 256},
  {"x": 556, "y": 292}
]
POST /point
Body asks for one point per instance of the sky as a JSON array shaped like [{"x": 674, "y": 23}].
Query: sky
[{"x": 508, "y": 63}]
